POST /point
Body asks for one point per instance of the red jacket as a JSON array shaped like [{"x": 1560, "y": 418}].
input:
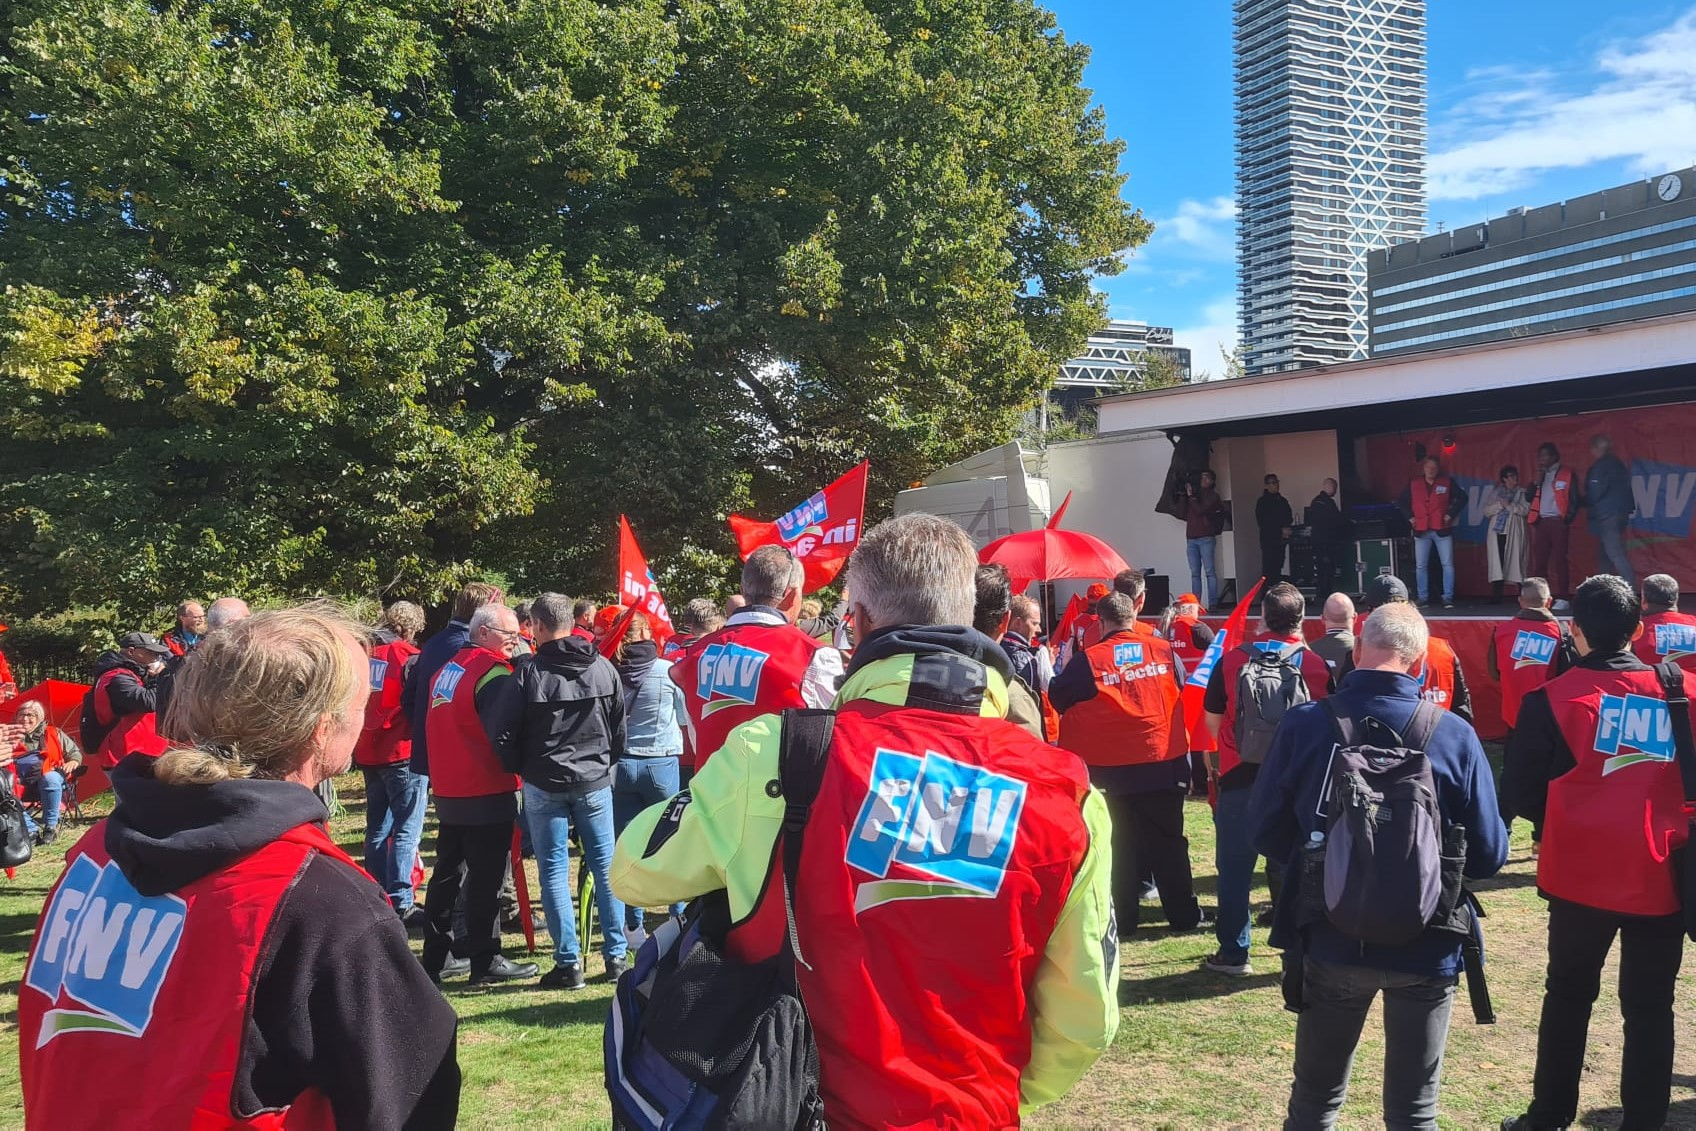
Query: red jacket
[
  {"x": 387, "y": 736},
  {"x": 948, "y": 1038},
  {"x": 135, "y": 733},
  {"x": 1613, "y": 821},
  {"x": 1668, "y": 636},
  {"x": 739, "y": 673},
  {"x": 1527, "y": 652},
  {"x": 1135, "y": 715},
  {"x": 462, "y": 759},
  {"x": 1432, "y": 503},
  {"x": 155, "y": 994}
]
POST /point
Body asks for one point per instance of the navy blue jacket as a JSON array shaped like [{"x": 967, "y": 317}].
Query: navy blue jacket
[
  {"x": 1607, "y": 489},
  {"x": 415, "y": 695},
  {"x": 1283, "y": 810}
]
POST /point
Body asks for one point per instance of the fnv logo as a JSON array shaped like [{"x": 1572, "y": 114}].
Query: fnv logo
[
  {"x": 105, "y": 950},
  {"x": 379, "y": 672},
  {"x": 1663, "y": 493},
  {"x": 952, "y": 822},
  {"x": 441, "y": 691},
  {"x": 1127, "y": 655},
  {"x": 1533, "y": 649},
  {"x": 728, "y": 675},
  {"x": 1631, "y": 729},
  {"x": 1675, "y": 641},
  {"x": 810, "y": 513}
]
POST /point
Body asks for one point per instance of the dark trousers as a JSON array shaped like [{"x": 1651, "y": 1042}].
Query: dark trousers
[
  {"x": 1548, "y": 555},
  {"x": 1650, "y": 951},
  {"x": 1272, "y": 561},
  {"x": 472, "y": 857},
  {"x": 1327, "y": 562},
  {"x": 1148, "y": 837}
]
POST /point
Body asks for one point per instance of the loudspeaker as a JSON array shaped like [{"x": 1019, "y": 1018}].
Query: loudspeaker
[{"x": 1158, "y": 594}]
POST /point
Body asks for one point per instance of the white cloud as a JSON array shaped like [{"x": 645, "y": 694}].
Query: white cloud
[
  {"x": 1216, "y": 331},
  {"x": 1635, "y": 102},
  {"x": 1200, "y": 230}
]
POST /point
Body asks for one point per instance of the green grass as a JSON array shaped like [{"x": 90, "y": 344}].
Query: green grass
[{"x": 1194, "y": 1050}]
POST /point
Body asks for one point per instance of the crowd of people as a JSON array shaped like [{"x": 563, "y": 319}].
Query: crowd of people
[
  {"x": 1527, "y": 525},
  {"x": 996, "y": 807}
]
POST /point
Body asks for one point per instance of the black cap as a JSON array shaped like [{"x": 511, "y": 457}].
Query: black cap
[
  {"x": 1384, "y": 589},
  {"x": 143, "y": 640}
]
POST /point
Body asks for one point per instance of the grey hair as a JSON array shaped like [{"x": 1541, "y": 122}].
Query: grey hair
[
  {"x": 487, "y": 615},
  {"x": 552, "y": 612},
  {"x": 769, "y": 574},
  {"x": 1399, "y": 629},
  {"x": 226, "y": 611},
  {"x": 915, "y": 569},
  {"x": 1660, "y": 591},
  {"x": 1537, "y": 588},
  {"x": 1117, "y": 609},
  {"x": 701, "y": 616}
]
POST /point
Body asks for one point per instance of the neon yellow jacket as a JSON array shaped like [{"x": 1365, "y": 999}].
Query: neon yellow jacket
[{"x": 721, "y": 832}]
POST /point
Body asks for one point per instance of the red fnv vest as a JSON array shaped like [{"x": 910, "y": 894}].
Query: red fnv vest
[
  {"x": 935, "y": 929},
  {"x": 1668, "y": 636},
  {"x": 1526, "y": 651},
  {"x": 1431, "y": 502},
  {"x": 740, "y": 673},
  {"x": 387, "y": 736},
  {"x": 1135, "y": 715},
  {"x": 1613, "y": 820},
  {"x": 130, "y": 734},
  {"x": 1437, "y": 675},
  {"x": 462, "y": 760},
  {"x": 132, "y": 1008}
]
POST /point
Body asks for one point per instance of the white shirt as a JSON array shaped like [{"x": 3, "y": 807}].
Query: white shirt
[{"x": 1546, "y": 505}]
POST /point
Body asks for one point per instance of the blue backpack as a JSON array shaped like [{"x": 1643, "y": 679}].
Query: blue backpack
[{"x": 696, "y": 1039}]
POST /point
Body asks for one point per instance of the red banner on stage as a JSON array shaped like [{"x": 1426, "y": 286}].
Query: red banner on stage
[
  {"x": 636, "y": 586},
  {"x": 822, "y": 531},
  {"x": 1657, "y": 445}
]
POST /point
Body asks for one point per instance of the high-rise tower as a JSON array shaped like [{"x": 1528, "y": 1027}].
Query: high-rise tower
[{"x": 1330, "y": 164}]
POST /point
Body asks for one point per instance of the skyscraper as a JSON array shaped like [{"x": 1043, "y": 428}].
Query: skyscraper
[{"x": 1330, "y": 164}]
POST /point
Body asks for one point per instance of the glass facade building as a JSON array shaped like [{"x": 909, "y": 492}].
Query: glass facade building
[{"x": 1330, "y": 128}]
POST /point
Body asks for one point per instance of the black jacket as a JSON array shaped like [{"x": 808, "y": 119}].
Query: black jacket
[
  {"x": 559, "y": 721},
  {"x": 129, "y": 694},
  {"x": 1272, "y": 513},
  {"x": 1326, "y": 522},
  {"x": 339, "y": 1002}
]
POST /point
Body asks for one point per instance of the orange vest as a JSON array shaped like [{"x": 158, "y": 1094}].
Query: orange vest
[
  {"x": 1437, "y": 676},
  {"x": 1563, "y": 494},
  {"x": 1135, "y": 715}
]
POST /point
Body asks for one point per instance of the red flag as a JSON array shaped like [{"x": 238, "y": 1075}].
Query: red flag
[
  {"x": 822, "y": 531},
  {"x": 1195, "y": 688},
  {"x": 1075, "y": 608},
  {"x": 636, "y": 587}
]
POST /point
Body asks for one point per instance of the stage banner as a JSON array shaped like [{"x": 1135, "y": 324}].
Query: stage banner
[
  {"x": 822, "y": 531},
  {"x": 636, "y": 586},
  {"x": 1657, "y": 444}
]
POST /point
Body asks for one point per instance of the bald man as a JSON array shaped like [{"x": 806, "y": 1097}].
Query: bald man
[
  {"x": 221, "y": 613},
  {"x": 1337, "y": 644}
]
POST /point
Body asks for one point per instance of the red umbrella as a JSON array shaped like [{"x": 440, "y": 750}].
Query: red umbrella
[{"x": 1051, "y": 554}]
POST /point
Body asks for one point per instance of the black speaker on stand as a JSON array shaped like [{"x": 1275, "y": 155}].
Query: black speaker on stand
[{"x": 1158, "y": 593}]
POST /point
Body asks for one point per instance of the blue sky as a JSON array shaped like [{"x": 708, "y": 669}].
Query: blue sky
[{"x": 1530, "y": 103}]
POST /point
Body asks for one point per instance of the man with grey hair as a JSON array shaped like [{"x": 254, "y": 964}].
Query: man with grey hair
[
  {"x": 1667, "y": 633},
  {"x": 221, "y": 613},
  {"x": 1609, "y": 501},
  {"x": 1334, "y": 976},
  {"x": 947, "y": 849},
  {"x": 759, "y": 663}
]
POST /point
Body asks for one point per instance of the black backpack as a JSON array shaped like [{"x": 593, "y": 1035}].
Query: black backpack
[
  {"x": 699, "y": 1040},
  {"x": 1267, "y": 687},
  {"x": 1384, "y": 833}
]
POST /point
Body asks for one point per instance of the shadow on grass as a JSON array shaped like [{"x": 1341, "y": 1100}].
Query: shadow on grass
[
  {"x": 1681, "y": 1114},
  {"x": 1504, "y": 881},
  {"x": 1186, "y": 985},
  {"x": 564, "y": 1011}
]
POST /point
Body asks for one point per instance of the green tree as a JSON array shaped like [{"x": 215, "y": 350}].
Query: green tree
[{"x": 358, "y": 298}]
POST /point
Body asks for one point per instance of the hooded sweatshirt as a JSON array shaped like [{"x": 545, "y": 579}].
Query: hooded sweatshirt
[
  {"x": 338, "y": 1001},
  {"x": 559, "y": 721}
]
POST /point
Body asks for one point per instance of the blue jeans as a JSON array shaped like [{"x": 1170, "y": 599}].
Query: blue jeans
[
  {"x": 1610, "y": 532},
  {"x": 1234, "y": 858},
  {"x": 551, "y": 816},
  {"x": 1445, "y": 544},
  {"x": 395, "y": 799},
  {"x": 51, "y": 787},
  {"x": 1201, "y": 553},
  {"x": 637, "y": 784}
]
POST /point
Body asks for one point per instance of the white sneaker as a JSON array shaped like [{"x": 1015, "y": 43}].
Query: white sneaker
[
  {"x": 634, "y": 937},
  {"x": 1219, "y": 964}
]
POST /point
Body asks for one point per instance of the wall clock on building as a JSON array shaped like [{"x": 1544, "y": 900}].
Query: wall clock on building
[{"x": 1669, "y": 187}]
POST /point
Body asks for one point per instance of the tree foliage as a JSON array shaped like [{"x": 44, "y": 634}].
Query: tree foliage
[{"x": 360, "y": 297}]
